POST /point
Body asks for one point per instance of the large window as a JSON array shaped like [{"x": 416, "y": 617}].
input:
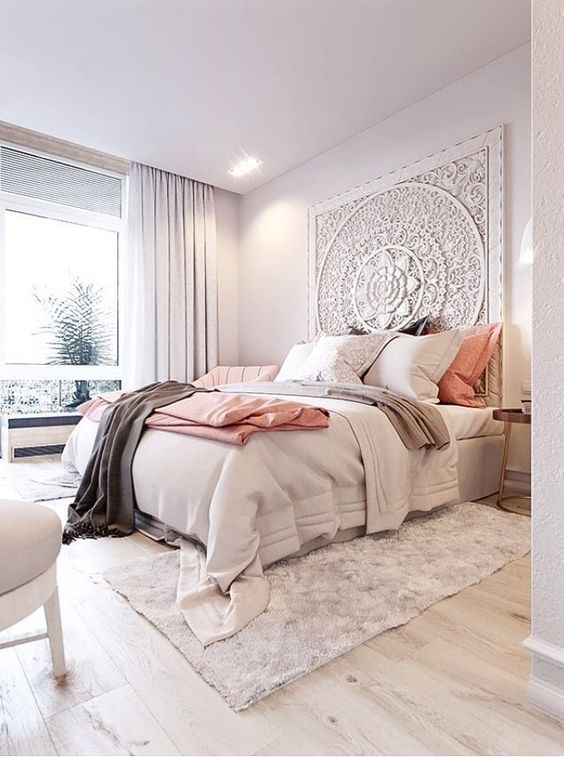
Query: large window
[
  {"x": 61, "y": 280},
  {"x": 62, "y": 296}
]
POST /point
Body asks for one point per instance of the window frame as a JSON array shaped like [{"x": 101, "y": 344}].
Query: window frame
[{"x": 59, "y": 212}]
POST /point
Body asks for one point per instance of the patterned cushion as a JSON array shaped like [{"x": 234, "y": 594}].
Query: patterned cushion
[
  {"x": 340, "y": 359},
  {"x": 331, "y": 370}
]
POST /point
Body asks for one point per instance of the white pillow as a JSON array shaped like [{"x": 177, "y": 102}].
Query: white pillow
[
  {"x": 412, "y": 366},
  {"x": 340, "y": 359},
  {"x": 294, "y": 360}
]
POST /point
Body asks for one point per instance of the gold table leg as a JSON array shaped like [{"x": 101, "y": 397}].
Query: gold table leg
[
  {"x": 507, "y": 439},
  {"x": 507, "y": 434}
]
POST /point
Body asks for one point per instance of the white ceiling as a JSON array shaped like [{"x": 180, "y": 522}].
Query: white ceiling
[{"x": 190, "y": 85}]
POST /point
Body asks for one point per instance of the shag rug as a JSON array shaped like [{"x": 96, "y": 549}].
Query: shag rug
[
  {"x": 39, "y": 480},
  {"x": 330, "y": 601}
]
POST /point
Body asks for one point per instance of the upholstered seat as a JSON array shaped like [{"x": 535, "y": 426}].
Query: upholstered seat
[
  {"x": 30, "y": 540},
  {"x": 236, "y": 374}
]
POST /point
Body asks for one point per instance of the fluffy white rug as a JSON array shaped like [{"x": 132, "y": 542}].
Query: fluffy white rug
[
  {"x": 334, "y": 599},
  {"x": 39, "y": 480}
]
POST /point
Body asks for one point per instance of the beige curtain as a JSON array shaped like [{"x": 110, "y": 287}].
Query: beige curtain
[{"x": 172, "y": 281}]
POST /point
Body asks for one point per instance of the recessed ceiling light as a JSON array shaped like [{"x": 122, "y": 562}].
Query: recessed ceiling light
[{"x": 246, "y": 165}]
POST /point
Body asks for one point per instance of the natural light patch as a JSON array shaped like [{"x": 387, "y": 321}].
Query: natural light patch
[{"x": 61, "y": 307}]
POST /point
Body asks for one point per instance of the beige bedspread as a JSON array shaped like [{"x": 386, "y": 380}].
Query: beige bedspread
[{"x": 246, "y": 507}]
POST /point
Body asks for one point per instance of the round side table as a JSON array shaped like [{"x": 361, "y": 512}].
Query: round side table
[{"x": 508, "y": 416}]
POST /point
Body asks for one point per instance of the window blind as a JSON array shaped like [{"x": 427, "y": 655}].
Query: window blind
[{"x": 28, "y": 175}]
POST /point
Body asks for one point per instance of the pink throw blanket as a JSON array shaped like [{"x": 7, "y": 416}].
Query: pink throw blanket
[
  {"x": 94, "y": 408},
  {"x": 233, "y": 418},
  {"x": 230, "y": 418}
]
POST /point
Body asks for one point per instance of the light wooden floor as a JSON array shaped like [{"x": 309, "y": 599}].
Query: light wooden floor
[{"x": 451, "y": 681}]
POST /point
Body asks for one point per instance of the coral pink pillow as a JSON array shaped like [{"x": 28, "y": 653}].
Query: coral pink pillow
[{"x": 456, "y": 387}]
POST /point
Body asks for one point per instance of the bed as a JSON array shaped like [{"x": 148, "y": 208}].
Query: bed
[
  {"x": 286, "y": 493},
  {"x": 240, "y": 509},
  {"x": 164, "y": 487}
]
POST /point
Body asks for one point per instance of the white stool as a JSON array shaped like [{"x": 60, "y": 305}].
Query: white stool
[{"x": 30, "y": 540}]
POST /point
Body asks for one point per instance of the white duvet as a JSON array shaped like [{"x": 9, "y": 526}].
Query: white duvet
[{"x": 242, "y": 508}]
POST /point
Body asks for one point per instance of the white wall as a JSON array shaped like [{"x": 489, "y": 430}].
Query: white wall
[
  {"x": 226, "y": 217},
  {"x": 547, "y": 685},
  {"x": 273, "y": 228}
]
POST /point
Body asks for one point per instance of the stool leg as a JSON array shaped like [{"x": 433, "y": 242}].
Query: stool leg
[{"x": 55, "y": 632}]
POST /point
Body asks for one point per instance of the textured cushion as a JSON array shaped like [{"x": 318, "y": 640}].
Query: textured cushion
[
  {"x": 30, "y": 540},
  {"x": 331, "y": 370},
  {"x": 340, "y": 359},
  {"x": 456, "y": 387},
  {"x": 413, "y": 365},
  {"x": 294, "y": 360}
]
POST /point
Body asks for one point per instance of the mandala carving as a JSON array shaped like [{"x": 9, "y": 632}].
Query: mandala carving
[
  {"x": 388, "y": 288},
  {"x": 423, "y": 240},
  {"x": 408, "y": 251}
]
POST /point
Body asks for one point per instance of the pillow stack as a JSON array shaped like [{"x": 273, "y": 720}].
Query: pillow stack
[{"x": 436, "y": 367}]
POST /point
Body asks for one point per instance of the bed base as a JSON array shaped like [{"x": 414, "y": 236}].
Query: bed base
[{"x": 479, "y": 468}]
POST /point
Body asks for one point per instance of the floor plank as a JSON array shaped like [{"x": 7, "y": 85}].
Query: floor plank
[
  {"x": 328, "y": 712},
  {"x": 90, "y": 671},
  {"x": 22, "y": 730},
  {"x": 472, "y": 702},
  {"x": 114, "y": 723},
  {"x": 193, "y": 714}
]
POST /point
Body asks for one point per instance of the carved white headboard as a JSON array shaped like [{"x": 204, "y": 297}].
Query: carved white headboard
[{"x": 423, "y": 240}]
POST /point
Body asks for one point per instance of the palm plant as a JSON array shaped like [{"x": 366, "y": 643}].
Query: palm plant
[{"x": 78, "y": 326}]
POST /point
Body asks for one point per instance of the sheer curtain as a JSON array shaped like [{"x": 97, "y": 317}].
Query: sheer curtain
[{"x": 172, "y": 279}]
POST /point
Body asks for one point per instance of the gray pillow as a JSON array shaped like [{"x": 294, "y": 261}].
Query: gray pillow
[{"x": 415, "y": 328}]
